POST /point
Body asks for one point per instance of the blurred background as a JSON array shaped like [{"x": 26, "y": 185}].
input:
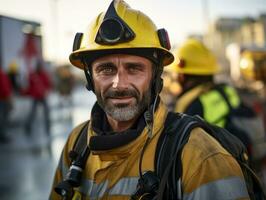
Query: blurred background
[{"x": 36, "y": 38}]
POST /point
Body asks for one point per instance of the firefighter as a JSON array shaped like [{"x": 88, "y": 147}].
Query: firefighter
[
  {"x": 123, "y": 55},
  {"x": 38, "y": 89},
  {"x": 196, "y": 66}
]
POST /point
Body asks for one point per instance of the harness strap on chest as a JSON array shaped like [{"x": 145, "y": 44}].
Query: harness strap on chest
[
  {"x": 80, "y": 142},
  {"x": 168, "y": 154}
]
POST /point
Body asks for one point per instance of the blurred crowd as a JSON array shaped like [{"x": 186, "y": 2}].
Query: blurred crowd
[{"x": 36, "y": 87}]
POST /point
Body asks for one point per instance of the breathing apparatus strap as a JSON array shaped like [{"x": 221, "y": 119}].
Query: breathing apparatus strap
[
  {"x": 78, "y": 157},
  {"x": 168, "y": 155},
  {"x": 81, "y": 140},
  {"x": 158, "y": 81}
]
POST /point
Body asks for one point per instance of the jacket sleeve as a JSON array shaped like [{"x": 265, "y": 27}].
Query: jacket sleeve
[
  {"x": 64, "y": 162},
  {"x": 209, "y": 171},
  {"x": 60, "y": 172}
]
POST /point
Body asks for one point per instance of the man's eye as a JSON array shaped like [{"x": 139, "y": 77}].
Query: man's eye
[
  {"x": 106, "y": 70},
  {"x": 134, "y": 68}
]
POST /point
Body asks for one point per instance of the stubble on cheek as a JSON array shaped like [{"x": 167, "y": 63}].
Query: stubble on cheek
[{"x": 122, "y": 111}]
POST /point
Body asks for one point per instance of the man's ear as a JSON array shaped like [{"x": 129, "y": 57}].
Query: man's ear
[{"x": 181, "y": 78}]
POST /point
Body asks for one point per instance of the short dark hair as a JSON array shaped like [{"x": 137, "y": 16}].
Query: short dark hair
[{"x": 199, "y": 79}]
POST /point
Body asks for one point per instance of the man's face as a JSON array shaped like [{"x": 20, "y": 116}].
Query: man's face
[{"x": 122, "y": 85}]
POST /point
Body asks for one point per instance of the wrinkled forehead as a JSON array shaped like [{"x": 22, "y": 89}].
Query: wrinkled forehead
[{"x": 122, "y": 58}]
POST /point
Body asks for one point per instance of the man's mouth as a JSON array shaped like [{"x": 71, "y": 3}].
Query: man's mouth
[{"x": 121, "y": 100}]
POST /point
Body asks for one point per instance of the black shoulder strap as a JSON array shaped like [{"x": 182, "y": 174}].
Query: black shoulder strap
[
  {"x": 171, "y": 142},
  {"x": 169, "y": 148},
  {"x": 166, "y": 144},
  {"x": 80, "y": 142}
]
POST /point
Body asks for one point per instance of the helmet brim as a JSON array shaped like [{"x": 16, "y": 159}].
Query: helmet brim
[{"x": 78, "y": 57}]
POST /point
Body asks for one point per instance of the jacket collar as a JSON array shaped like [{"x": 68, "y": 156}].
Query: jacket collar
[
  {"x": 124, "y": 142},
  {"x": 188, "y": 96}
]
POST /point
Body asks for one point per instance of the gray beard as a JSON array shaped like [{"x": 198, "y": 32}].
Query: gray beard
[{"x": 123, "y": 112}]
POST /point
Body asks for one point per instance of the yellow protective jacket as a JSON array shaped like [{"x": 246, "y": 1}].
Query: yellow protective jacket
[{"x": 209, "y": 171}]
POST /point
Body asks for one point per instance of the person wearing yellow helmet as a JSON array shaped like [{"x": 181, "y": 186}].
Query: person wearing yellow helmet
[
  {"x": 196, "y": 66},
  {"x": 113, "y": 155},
  {"x": 217, "y": 103}
]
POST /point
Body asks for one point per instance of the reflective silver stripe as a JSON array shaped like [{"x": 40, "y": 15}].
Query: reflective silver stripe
[
  {"x": 76, "y": 168},
  {"x": 179, "y": 188},
  {"x": 125, "y": 186},
  {"x": 230, "y": 188},
  {"x": 93, "y": 190}
]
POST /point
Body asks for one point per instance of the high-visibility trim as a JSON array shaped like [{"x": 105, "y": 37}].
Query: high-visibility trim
[
  {"x": 215, "y": 107},
  {"x": 125, "y": 186},
  {"x": 230, "y": 188},
  {"x": 221, "y": 122},
  {"x": 232, "y": 96},
  {"x": 93, "y": 190},
  {"x": 187, "y": 98}
]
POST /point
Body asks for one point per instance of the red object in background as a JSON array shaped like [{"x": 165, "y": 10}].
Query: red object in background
[
  {"x": 257, "y": 106},
  {"x": 260, "y": 109},
  {"x": 5, "y": 86},
  {"x": 30, "y": 50},
  {"x": 39, "y": 84}
]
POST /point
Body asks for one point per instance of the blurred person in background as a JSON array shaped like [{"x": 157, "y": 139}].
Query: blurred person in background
[
  {"x": 5, "y": 105},
  {"x": 39, "y": 85},
  {"x": 171, "y": 88},
  {"x": 13, "y": 73},
  {"x": 217, "y": 103},
  {"x": 64, "y": 84}
]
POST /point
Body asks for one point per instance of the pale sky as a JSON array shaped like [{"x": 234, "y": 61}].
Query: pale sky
[{"x": 61, "y": 19}]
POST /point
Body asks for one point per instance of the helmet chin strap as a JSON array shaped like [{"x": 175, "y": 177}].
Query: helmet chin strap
[
  {"x": 148, "y": 116},
  {"x": 88, "y": 76},
  {"x": 156, "y": 87},
  {"x": 149, "y": 113}
]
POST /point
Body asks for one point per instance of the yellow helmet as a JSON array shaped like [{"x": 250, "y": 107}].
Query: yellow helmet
[
  {"x": 252, "y": 67},
  {"x": 194, "y": 58},
  {"x": 13, "y": 66},
  {"x": 247, "y": 68},
  {"x": 121, "y": 30}
]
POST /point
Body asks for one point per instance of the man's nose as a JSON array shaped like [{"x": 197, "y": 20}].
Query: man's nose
[{"x": 120, "y": 81}]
